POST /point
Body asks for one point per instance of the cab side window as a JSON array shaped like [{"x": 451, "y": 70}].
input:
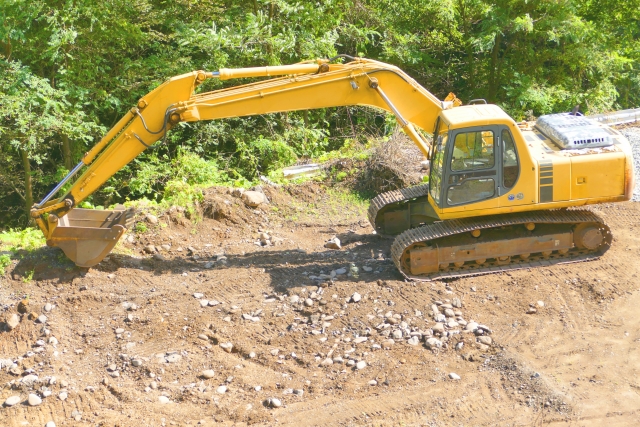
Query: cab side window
[{"x": 510, "y": 167}]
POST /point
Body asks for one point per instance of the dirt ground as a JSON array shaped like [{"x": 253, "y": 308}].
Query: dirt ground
[{"x": 132, "y": 343}]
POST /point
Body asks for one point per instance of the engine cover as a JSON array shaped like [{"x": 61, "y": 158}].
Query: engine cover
[{"x": 574, "y": 132}]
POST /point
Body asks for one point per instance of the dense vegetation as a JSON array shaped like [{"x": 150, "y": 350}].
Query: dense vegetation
[{"x": 70, "y": 69}]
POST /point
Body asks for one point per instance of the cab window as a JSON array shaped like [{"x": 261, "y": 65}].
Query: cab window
[{"x": 472, "y": 151}]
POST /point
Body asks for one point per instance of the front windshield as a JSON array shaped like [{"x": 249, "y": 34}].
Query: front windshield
[{"x": 437, "y": 161}]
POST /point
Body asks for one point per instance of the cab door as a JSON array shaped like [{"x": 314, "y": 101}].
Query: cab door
[{"x": 473, "y": 169}]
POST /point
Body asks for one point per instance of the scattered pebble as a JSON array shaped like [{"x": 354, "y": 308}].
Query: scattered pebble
[
  {"x": 13, "y": 321},
  {"x": 433, "y": 343},
  {"x": 361, "y": 365},
  {"x": 454, "y": 376},
  {"x": 50, "y": 424},
  {"x": 208, "y": 374},
  {"x": 48, "y": 307},
  {"x": 12, "y": 400},
  {"x": 273, "y": 402},
  {"x": 333, "y": 243},
  {"x": 484, "y": 340},
  {"x": 34, "y": 400},
  {"x": 356, "y": 297},
  {"x": 222, "y": 389},
  {"x": 413, "y": 340},
  {"x": 163, "y": 399},
  {"x": 173, "y": 358},
  {"x": 226, "y": 346}
]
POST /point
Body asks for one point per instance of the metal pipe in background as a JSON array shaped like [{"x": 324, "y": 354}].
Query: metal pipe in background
[{"x": 618, "y": 117}]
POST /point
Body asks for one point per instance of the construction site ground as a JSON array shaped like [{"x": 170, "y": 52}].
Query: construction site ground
[{"x": 282, "y": 342}]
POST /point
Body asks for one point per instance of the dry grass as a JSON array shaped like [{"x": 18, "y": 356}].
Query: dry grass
[{"x": 393, "y": 164}]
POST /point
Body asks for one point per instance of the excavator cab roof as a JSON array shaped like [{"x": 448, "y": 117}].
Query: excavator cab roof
[{"x": 475, "y": 115}]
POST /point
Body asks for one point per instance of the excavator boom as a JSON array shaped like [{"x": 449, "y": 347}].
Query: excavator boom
[{"x": 87, "y": 236}]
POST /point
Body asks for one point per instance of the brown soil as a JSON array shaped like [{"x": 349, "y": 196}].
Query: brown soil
[{"x": 574, "y": 362}]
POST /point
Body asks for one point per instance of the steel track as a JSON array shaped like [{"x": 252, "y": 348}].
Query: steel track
[
  {"x": 386, "y": 200},
  {"x": 438, "y": 230}
]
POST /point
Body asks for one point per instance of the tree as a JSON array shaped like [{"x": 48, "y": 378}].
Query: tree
[{"x": 33, "y": 116}]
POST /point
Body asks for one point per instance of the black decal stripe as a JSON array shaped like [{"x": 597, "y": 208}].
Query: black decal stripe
[{"x": 546, "y": 194}]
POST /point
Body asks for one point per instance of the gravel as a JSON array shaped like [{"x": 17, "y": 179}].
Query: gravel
[{"x": 633, "y": 135}]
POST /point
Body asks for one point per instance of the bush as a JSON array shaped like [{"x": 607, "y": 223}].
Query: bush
[{"x": 27, "y": 239}]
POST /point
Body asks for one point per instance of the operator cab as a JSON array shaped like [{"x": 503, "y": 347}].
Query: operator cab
[{"x": 475, "y": 162}]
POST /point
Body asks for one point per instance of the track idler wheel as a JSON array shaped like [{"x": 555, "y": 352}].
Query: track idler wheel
[{"x": 588, "y": 236}]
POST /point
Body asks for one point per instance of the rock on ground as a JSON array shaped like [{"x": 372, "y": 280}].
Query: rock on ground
[
  {"x": 34, "y": 400},
  {"x": 13, "y": 321},
  {"x": 12, "y": 400},
  {"x": 253, "y": 198}
]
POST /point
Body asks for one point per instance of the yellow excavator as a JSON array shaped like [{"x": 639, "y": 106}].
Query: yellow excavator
[{"x": 501, "y": 195}]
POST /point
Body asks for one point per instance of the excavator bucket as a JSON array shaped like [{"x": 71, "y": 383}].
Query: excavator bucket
[{"x": 87, "y": 235}]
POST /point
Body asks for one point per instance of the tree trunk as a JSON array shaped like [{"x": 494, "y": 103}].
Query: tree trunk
[
  {"x": 255, "y": 7},
  {"x": 66, "y": 152},
  {"x": 493, "y": 69},
  {"x": 466, "y": 27},
  {"x": 7, "y": 48},
  {"x": 28, "y": 185}
]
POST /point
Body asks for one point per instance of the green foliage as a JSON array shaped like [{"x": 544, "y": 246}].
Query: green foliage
[
  {"x": 70, "y": 70},
  {"x": 27, "y": 239},
  {"x": 141, "y": 227},
  {"x": 5, "y": 261},
  {"x": 28, "y": 277}
]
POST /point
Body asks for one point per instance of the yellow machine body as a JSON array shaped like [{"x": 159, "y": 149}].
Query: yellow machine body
[
  {"x": 540, "y": 175},
  {"x": 549, "y": 177}
]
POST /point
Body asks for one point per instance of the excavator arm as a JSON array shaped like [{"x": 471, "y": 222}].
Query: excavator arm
[{"x": 87, "y": 236}]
